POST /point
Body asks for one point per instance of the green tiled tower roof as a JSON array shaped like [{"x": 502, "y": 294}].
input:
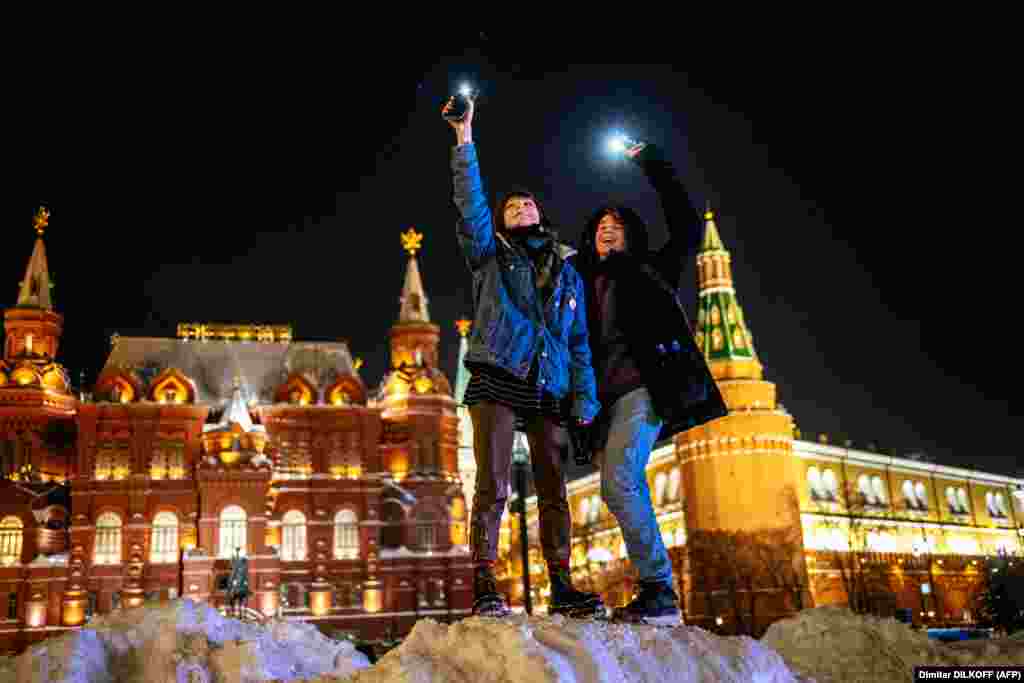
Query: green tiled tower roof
[{"x": 721, "y": 331}]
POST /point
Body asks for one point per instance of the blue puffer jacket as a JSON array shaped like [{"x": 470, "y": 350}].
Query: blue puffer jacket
[{"x": 512, "y": 327}]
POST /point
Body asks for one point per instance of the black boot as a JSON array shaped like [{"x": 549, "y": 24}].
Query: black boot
[
  {"x": 568, "y": 601},
  {"x": 488, "y": 602},
  {"x": 656, "y": 604}
]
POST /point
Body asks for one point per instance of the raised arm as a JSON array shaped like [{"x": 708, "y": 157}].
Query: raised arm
[
  {"x": 475, "y": 228},
  {"x": 681, "y": 216}
]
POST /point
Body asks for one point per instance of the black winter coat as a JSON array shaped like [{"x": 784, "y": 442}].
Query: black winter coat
[{"x": 658, "y": 333}]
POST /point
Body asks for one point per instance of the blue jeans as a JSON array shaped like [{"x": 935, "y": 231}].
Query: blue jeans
[{"x": 632, "y": 432}]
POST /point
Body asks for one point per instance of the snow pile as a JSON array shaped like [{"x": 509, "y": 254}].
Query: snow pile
[
  {"x": 557, "y": 650},
  {"x": 184, "y": 642},
  {"x": 834, "y": 644}
]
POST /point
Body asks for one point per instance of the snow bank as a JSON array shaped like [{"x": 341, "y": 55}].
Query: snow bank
[
  {"x": 834, "y": 644},
  {"x": 555, "y": 649},
  {"x": 184, "y": 642}
]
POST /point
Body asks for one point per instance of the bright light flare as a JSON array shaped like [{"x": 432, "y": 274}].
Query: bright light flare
[
  {"x": 619, "y": 142},
  {"x": 466, "y": 90}
]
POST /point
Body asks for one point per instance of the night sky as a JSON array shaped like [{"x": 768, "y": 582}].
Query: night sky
[{"x": 270, "y": 185}]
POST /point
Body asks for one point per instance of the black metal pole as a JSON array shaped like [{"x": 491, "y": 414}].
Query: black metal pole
[{"x": 524, "y": 535}]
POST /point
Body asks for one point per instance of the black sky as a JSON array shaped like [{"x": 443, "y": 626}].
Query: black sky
[{"x": 270, "y": 185}]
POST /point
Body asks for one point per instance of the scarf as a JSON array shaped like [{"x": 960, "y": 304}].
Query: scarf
[{"x": 538, "y": 243}]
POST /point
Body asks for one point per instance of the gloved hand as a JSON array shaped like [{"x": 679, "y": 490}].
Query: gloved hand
[{"x": 582, "y": 443}]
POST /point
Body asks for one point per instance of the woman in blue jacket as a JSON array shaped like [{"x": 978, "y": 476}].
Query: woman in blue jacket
[{"x": 530, "y": 368}]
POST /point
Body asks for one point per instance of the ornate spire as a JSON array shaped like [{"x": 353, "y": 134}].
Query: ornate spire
[
  {"x": 413, "y": 300},
  {"x": 34, "y": 291},
  {"x": 721, "y": 330},
  {"x": 461, "y": 373}
]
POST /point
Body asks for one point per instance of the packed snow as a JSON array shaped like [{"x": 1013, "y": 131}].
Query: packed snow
[
  {"x": 187, "y": 642},
  {"x": 834, "y": 644},
  {"x": 558, "y": 650},
  {"x": 183, "y": 642}
]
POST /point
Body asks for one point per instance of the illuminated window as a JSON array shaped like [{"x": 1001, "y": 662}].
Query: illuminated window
[
  {"x": 295, "y": 460},
  {"x": 961, "y": 496},
  {"x": 830, "y": 484},
  {"x": 11, "y": 533},
  {"x": 293, "y": 536},
  {"x": 595, "y": 509},
  {"x": 865, "y": 489},
  {"x": 164, "y": 542},
  {"x": 878, "y": 486},
  {"x": 674, "y": 484},
  {"x": 585, "y": 511},
  {"x": 344, "y": 461},
  {"x": 346, "y": 535},
  {"x": 814, "y": 484},
  {"x": 232, "y": 531},
  {"x": 996, "y": 504},
  {"x": 108, "y": 539},
  {"x": 622, "y": 550},
  {"x": 458, "y": 517},
  {"x": 660, "y": 486},
  {"x": 113, "y": 461},
  {"x": 915, "y": 495},
  {"x": 922, "y": 495}
]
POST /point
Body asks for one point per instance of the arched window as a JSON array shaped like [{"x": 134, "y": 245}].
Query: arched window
[
  {"x": 164, "y": 541},
  {"x": 674, "y": 484},
  {"x": 680, "y": 536},
  {"x": 954, "y": 505},
  {"x": 814, "y": 484},
  {"x": 346, "y": 535},
  {"x": 232, "y": 531},
  {"x": 660, "y": 486},
  {"x": 878, "y": 486},
  {"x": 908, "y": 494},
  {"x": 108, "y": 539},
  {"x": 961, "y": 496},
  {"x": 11, "y": 532},
  {"x": 830, "y": 484},
  {"x": 865, "y": 490},
  {"x": 595, "y": 509},
  {"x": 585, "y": 511},
  {"x": 293, "y": 536},
  {"x": 1000, "y": 504},
  {"x": 622, "y": 550},
  {"x": 922, "y": 495}
]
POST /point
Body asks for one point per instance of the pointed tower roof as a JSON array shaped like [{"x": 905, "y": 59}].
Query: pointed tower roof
[
  {"x": 414, "y": 299},
  {"x": 461, "y": 373},
  {"x": 721, "y": 330},
  {"x": 712, "y": 241},
  {"x": 34, "y": 291}
]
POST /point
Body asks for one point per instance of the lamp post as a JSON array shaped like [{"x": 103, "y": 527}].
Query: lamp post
[{"x": 520, "y": 463}]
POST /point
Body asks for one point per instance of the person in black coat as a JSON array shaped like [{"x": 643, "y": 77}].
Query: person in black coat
[{"x": 652, "y": 379}]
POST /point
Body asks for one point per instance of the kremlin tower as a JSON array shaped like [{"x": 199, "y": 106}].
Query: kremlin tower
[{"x": 739, "y": 472}]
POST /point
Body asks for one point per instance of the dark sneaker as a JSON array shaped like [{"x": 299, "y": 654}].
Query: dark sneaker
[
  {"x": 488, "y": 602},
  {"x": 656, "y": 604},
  {"x": 570, "y": 602}
]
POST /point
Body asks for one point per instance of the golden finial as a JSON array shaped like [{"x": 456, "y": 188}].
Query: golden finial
[
  {"x": 463, "y": 326},
  {"x": 41, "y": 220},
  {"x": 708, "y": 213},
  {"x": 358, "y": 363},
  {"x": 411, "y": 241}
]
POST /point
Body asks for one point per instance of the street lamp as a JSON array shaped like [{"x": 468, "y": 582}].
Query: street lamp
[{"x": 520, "y": 464}]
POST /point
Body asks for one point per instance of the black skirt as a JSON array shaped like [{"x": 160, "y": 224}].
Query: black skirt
[{"x": 525, "y": 397}]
